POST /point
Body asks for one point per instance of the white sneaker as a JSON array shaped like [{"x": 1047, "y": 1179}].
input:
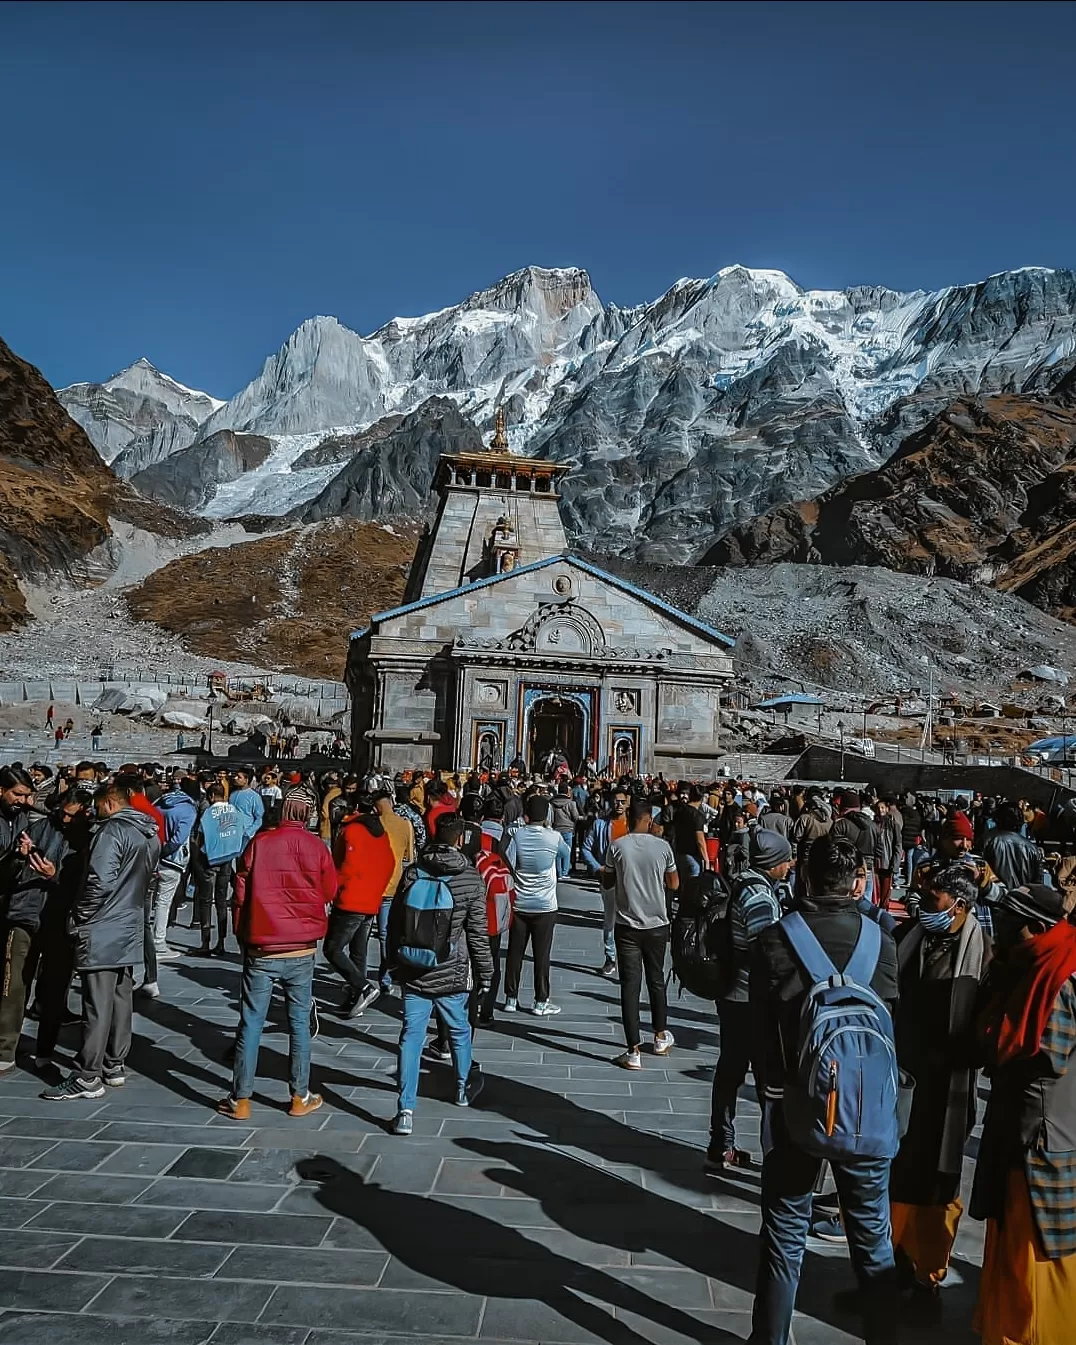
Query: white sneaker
[
  {"x": 629, "y": 1060},
  {"x": 546, "y": 1009},
  {"x": 663, "y": 1043},
  {"x": 511, "y": 1006},
  {"x": 167, "y": 954},
  {"x": 5, "y": 1065},
  {"x": 150, "y": 989}
]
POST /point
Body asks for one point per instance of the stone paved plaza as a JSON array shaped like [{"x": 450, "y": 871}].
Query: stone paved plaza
[{"x": 568, "y": 1206}]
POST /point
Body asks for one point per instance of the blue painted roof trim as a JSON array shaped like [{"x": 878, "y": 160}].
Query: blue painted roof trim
[
  {"x": 641, "y": 593},
  {"x": 793, "y": 698}
]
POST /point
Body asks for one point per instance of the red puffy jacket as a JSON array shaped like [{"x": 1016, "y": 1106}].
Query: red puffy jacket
[{"x": 286, "y": 878}]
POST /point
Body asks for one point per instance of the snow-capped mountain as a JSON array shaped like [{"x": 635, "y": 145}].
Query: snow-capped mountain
[
  {"x": 138, "y": 416},
  {"x": 722, "y": 398}
]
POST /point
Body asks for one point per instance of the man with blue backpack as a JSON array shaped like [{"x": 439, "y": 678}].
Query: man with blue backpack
[
  {"x": 438, "y": 949},
  {"x": 216, "y": 843},
  {"x": 823, "y": 987}
]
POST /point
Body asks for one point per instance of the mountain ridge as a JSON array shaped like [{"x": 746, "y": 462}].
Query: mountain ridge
[{"x": 723, "y": 398}]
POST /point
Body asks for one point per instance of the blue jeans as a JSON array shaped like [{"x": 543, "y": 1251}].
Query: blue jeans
[
  {"x": 452, "y": 1010},
  {"x": 564, "y": 862},
  {"x": 788, "y": 1182},
  {"x": 295, "y": 976},
  {"x": 383, "y": 938}
]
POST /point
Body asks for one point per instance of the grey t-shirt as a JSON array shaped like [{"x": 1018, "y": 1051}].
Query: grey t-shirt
[{"x": 640, "y": 862}]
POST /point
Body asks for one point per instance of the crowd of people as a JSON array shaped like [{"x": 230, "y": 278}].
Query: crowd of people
[{"x": 872, "y": 961}]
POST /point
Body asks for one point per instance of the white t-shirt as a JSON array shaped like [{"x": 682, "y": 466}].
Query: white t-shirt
[
  {"x": 531, "y": 854},
  {"x": 640, "y": 862}
]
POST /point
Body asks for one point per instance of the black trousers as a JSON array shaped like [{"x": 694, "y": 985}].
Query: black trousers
[
  {"x": 536, "y": 927},
  {"x": 641, "y": 952},
  {"x": 345, "y": 946},
  {"x": 478, "y": 1003},
  {"x": 16, "y": 955},
  {"x": 214, "y": 889},
  {"x": 106, "y": 1020},
  {"x": 732, "y": 1066},
  {"x": 149, "y": 946},
  {"x": 54, "y": 969}
]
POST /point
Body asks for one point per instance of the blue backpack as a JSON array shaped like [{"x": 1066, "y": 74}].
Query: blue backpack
[
  {"x": 223, "y": 834},
  {"x": 843, "y": 1101},
  {"x": 427, "y": 924}
]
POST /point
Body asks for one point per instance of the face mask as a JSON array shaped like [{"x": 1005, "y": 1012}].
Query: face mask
[{"x": 937, "y": 922}]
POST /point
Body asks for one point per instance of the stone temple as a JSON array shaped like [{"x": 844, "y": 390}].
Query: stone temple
[{"x": 508, "y": 646}]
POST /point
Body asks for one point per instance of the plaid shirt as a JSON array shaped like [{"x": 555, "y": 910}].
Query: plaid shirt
[{"x": 1051, "y": 1177}]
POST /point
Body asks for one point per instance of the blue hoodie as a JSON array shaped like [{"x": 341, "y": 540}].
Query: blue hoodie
[
  {"x": 180, "y": 812},
  {"x": 249, "y": 803}
]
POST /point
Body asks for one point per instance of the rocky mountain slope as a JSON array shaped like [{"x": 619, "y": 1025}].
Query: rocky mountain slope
[
  {"x": 288, "y": 601},
  {"x": 58, "y": 499},
  {"x": 985, "y": 491},
  {"x": 138, "y": 416},
  {"x": 720, "y": 400},
  {"x": 190, "y": 478}
]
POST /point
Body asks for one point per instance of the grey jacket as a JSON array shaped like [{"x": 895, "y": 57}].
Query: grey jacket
[{"x": 109, "y": 916}]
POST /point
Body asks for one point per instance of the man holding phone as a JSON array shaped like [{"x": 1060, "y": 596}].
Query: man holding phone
[{"x": 31, "y": 853}]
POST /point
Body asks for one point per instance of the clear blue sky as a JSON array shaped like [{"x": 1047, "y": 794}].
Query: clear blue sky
[{"x": 189, "y": 181}]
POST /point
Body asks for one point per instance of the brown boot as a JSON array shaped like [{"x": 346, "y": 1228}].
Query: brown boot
[
  {"x": 303, "y": 1106},
  {"x": 236, "y": 1108}
]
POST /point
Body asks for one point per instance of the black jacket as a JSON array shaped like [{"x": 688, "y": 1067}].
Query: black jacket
[
  {"x": 109, "y": 916},
  {"x": 779, "y": 984},
  {"x": 470, "y": 927},
  {"x": 23, "y": 891},
  {"x": 1016, "y": 860}
]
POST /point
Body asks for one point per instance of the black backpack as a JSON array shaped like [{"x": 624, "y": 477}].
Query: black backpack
[{"x": 702, "y": 939}]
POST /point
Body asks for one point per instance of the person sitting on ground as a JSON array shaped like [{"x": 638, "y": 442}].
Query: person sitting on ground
[
  {"x": 285, "y": 881},
  {"x": 434, "y": 959},
  {"x": 642, "y": 868}
]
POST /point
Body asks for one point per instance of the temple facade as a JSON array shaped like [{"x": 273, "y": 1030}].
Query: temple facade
[{"x": 508, "y": 647}]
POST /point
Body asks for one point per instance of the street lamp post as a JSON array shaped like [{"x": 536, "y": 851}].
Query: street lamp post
[
  {"x": 210, "y": 739},
  {"x": 840, "y": 730}
]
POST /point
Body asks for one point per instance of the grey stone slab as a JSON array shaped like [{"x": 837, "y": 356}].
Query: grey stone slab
[
  {"x": 19, "y": 1152},
  {"x": 274, "y": 1230},
  {"x": 347, "y": 1233},
  {"x": 243, "y": 1333},
  {"x": 303, "y": 1265},
  {"x": 125, "y": 1221},
  {"x": 139, "y": 1160},
  {"x": 418, "y": 1314},
  {"x": 337, "y": 1141},
  {"x": 55, "y": 1126},
  {"x": 22, "y": 1181},
  {"x": 202, "y": 1300},
  {"x": 75, "y": 1156},
  {"x": 146, "y": 1132},
  {"x": 529, "y": 1319},
  {"x": 15, "y": 1212},
  {"x": 94, "y": 1188},
  {"x": 190, "y": 1192},
  {"x": 23, "y": 1289},
  {"x": 218, "y": 1164},
  {"x": 141, "y": 1256},
  {"x": 409, "y": 1170},
  {"x": 54, "y": 1328},
  {"x": 34, "y": 1250}
]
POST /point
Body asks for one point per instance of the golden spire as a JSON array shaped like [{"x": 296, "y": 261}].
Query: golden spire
[{"x": 499, "y": 442}]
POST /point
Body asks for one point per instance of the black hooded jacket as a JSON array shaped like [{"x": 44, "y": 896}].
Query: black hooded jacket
[{"x": 470, "y": 926}]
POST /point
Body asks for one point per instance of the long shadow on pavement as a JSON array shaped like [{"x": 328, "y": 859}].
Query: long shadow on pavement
[{"x": 476, "y": 1255}]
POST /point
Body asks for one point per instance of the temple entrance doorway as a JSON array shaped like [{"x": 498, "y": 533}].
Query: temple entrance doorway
[{"x": 556, "y": 726}]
